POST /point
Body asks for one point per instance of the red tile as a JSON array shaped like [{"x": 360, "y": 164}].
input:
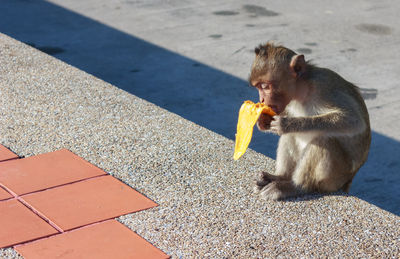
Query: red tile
[
  {"x": 46, "y": 170},
  {"x": 6, "y": 154},
  {"x": 78, "y": 204},
  {"x": 4, "y": 194},
  {"x": 18, "y": 224},
  {"x": 108, "y": 239}
]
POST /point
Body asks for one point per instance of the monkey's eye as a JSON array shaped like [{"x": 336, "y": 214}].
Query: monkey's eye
[{"x": 264, "y": 86}]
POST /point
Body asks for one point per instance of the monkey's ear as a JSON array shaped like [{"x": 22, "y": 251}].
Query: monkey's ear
[{"x": 297, "y": 65}]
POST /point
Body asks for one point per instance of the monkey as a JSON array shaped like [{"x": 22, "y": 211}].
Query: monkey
[{"x": 322, "y": 121}]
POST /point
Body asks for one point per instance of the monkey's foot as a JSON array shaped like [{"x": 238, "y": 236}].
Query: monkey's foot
[
  {"x": 264, "y": 178},
  {"x": 278, "y": 190},
  {"x": 261, "y": 180}
]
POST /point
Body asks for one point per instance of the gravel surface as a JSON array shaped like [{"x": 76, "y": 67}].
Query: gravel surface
[
  {"x": 206, "y": 205},
  {"x": 193, "y": 59}
]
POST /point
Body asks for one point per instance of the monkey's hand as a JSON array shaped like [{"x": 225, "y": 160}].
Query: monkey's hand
[
  {"x": 264, "y": 122},
  {"x": 278, "y": 124}
]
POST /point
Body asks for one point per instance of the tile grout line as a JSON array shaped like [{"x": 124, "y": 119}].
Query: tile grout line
[
  {"x": 31, "y": 208},
  {"x": 6, "y": 160},
  {"x": 9, "y": 159},
  {"x": 65, "y": 232},
  {"x": 11, "y": 198},
  {"x": 9, "y": 191},
  {"x": 39, "y": 214},
  {"x": 107, "y": 219},
  {"x": 29, "y": 241},
  {"x": 64, "y": 184},
  {"x": 5, "y": 189}
]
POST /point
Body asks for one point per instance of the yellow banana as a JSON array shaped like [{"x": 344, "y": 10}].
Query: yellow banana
[{"x": 248, "y": 115}]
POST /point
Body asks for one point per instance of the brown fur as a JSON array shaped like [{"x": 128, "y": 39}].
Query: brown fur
[{"x": 322, "y": 120}]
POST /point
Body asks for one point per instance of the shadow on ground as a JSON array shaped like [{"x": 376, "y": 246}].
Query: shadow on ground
[{"x": 195, "y": 91}]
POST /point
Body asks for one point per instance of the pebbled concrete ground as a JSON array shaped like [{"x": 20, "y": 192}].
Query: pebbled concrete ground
[
  {"x": 193, "y": 58},
  {"x": 207, "y": 208}
]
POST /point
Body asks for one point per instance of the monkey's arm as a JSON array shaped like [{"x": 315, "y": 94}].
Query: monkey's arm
[{"x": 335, "y": 122}]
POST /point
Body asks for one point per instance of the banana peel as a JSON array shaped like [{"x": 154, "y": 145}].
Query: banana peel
[{"x": 248, "y": 115}]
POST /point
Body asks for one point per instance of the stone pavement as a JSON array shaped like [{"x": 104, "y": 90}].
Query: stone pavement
[
  {"x": 206, "y": 206},
  {"x": 192, "y": 58},
  {"x": 53, "y": 204}
]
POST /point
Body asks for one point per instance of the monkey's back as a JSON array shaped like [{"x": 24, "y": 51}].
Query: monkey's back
[{"x": 344, "y": 96}]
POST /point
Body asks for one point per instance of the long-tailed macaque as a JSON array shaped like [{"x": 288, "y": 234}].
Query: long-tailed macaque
[{"x": 322, "y": 121}]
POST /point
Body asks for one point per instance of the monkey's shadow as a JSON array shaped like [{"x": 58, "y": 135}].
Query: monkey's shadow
[
  {"x": 314, "y": 196},
  {"x": 195, "y": 91}
]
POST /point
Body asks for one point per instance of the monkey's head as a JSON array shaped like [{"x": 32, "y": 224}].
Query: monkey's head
[{"x": 275, "y": 73}]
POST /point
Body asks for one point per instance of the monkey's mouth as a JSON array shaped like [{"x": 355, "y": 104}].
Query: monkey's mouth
[{"x": 275, "y": 108}]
